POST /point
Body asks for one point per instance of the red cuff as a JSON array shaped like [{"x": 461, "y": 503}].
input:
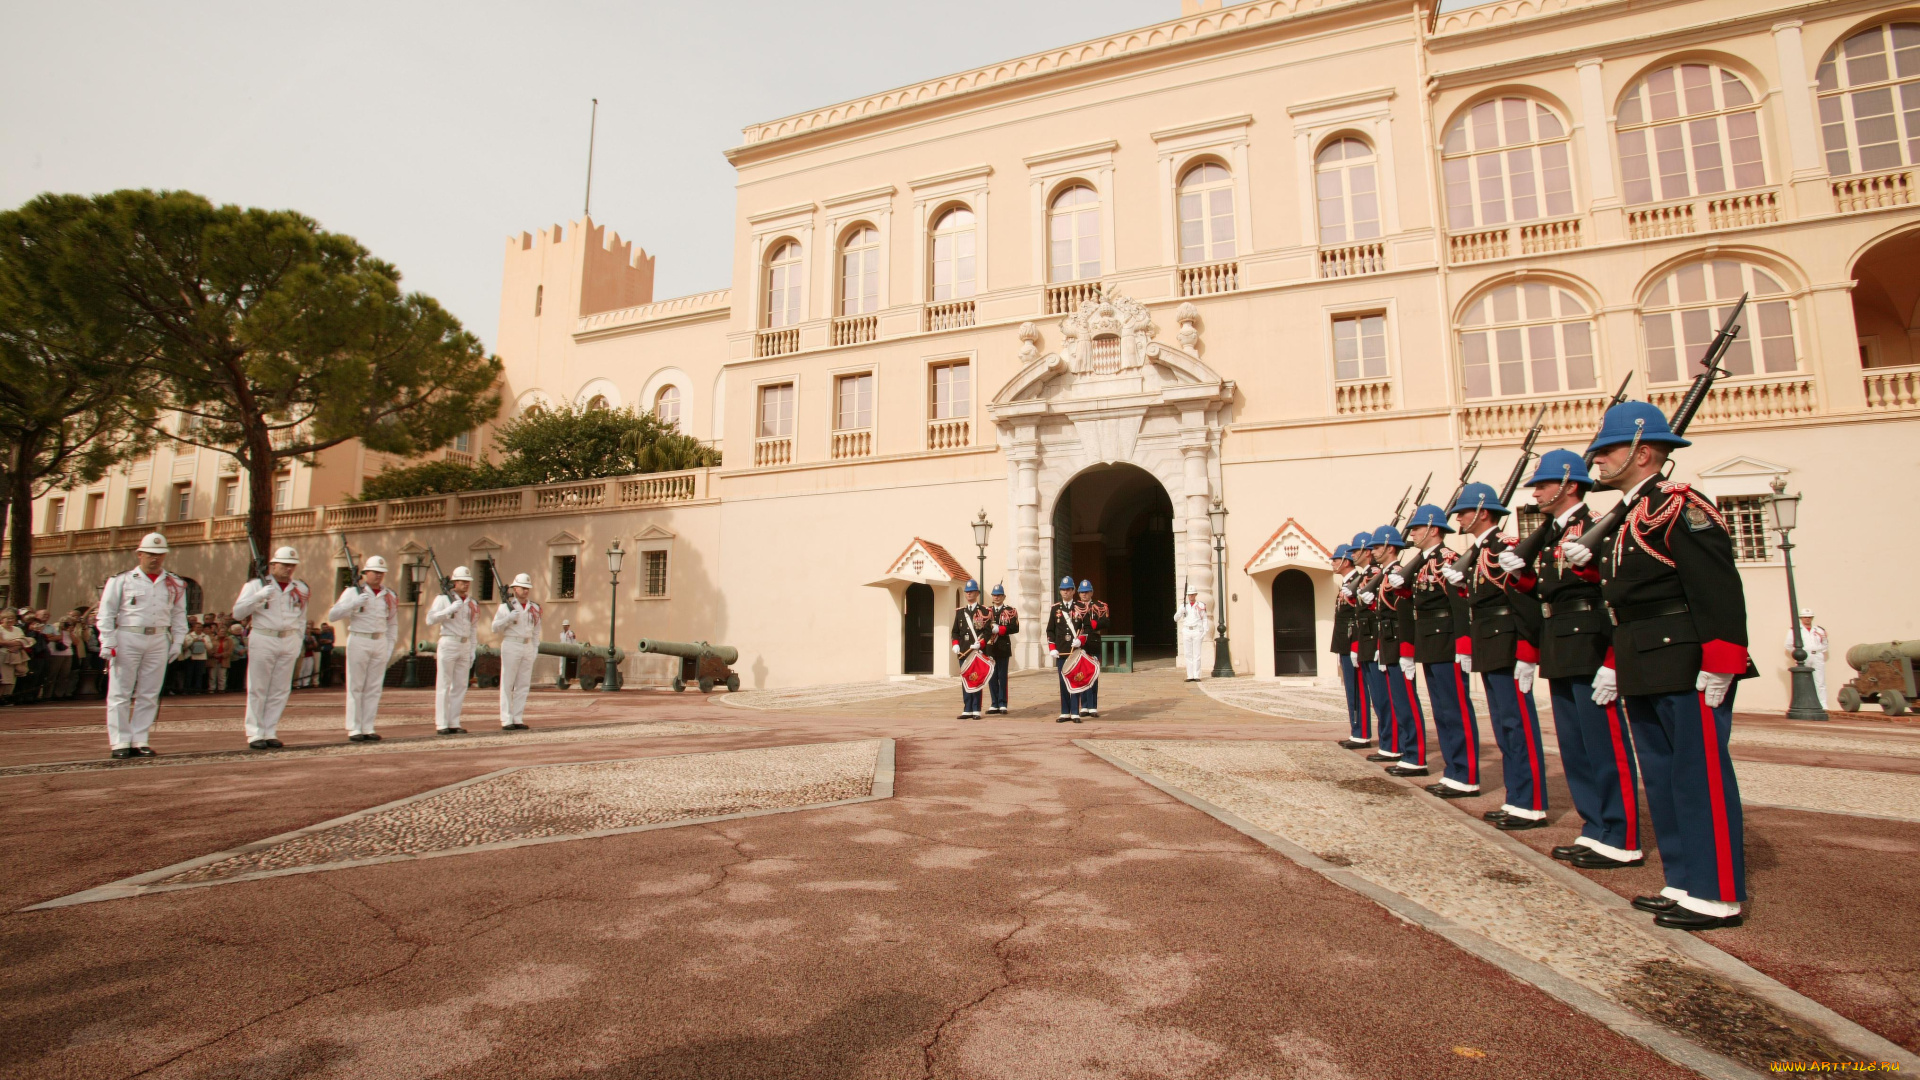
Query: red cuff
[
  {"x": 1723, "y": 657},
  {"x": 1526, "y": 581},
  {"x": 1525, "y": 650},
  {"x": 1463, "y": 645},
  {"x": 1608, "y": 662},
  {"x": 1406, "y": 650},
  {"x": 1589, "y": 572}
]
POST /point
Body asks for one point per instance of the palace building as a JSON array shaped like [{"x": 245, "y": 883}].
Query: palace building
[{"x": 1281, "y": 259}]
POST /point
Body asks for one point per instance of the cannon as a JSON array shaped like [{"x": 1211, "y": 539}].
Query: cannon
[
  {"x": 700, "y": 663},
  {"x": 590, "y": 657},
  {"x": 1885, "y": 675}
]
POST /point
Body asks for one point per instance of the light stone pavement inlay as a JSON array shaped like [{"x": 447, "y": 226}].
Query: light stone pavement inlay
[
  {"x": 818, "y": 697},
  {"x": 1833, "y": 791}
]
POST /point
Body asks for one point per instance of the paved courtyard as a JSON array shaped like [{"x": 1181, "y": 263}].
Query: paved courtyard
[{"x": 848, "y": 882}]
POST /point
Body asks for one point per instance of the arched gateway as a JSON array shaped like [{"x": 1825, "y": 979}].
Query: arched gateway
[{"x": 1110, "y": 395}]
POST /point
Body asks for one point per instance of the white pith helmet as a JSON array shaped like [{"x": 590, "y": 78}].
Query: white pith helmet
[
  {"x": 460, "y": 574},
  {"x": 154, "y": 544},
  {"x": 375, "y": 562},
  {"x": 522, "y": 581},
  {"x": 286, "y": 555}
]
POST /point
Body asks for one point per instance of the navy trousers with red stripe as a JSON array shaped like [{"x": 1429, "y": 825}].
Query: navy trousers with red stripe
[
  {"x": 1692, "y": 794},
  {"x": 1596, "y": 752},
  {"x": 1410, "y": 723},
  {"x": 1516, "y": 730},
  {"x": 1375, "y": 682},
  {"x": 1454, "y": 721},
  {"x": 1356, "y": 705}
]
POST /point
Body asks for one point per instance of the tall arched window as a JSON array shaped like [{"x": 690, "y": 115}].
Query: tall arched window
[
  {"x": 1869, "y": 88},
  {"x": 1527, "y": 338},
  {"x": 666, "y": 405},
  {"x": 1347, "y": 182},
  {"x": 953, "y": 269},
  {"x": 1684, "y": 309},
  {"x": 1206, "y": 214},
  {"x": 1073, "y": 234},
  {"x": 860, "y": 271},
  {"x": 1686, "y": 130},
  {"x": 1506, "y": 160},
  {"x": 597, "y": 403},
  {"x": 785, "y": 271}
]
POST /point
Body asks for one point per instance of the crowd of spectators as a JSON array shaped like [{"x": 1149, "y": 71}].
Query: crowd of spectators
[{"x": 45, "y": 660}]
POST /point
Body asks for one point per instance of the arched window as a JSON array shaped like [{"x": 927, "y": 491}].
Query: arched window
[
  {"x": 1506, "y": 160},
  {"x": 1074, "y": 235},
  {"x": 1869, "y": 88},
  {"x": 1347, "y": 183},
  {"x": 1526, "y": 338},
  {"x": 1686, "y": 130},
  {"x": 597, "y": 403},
  {"x": 1684, "y": 310},
  {"x": 1206, "y": 214},
  {"x": 953, "y": 269},
  {"x": 784, "y": 273},
  {"x": 666, "y": 405},
  {"x": 860, "y": 271}
]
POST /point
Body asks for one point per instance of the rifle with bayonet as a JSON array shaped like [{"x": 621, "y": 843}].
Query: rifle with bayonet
[
  {"x": 1526, "y": 455},
  {"x": 1466, "y": 474},
  {"x": 1529, "y": 548},
  {"x": 259, "y": 565},
  {"x": 352, "y": 566},
  {"x": 1414, "y": 558},
  {"x": 506, "y": 595},
  {"x": 1683, "y": 413},
  {"x": 1425, "y": 486},
  {"x": 446, "y": 587}
]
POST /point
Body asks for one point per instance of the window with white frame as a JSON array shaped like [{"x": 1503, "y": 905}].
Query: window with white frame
[
  {"x": 785, "y": 272},
  {"x": 1206, "y": 214},
  {"x": 776, "y": 411},
  {"x": 182, "y": 501},
  {"x": 1869, "y": 87},
  {"x": 949, "y": 390},
  {"x": 860, "y": 271},
  {"x": 1073, "y": 235},
  {"x": 1685, "y": 309},
  {"x": 666, "y": 405},
  {"x": 1686, "y": 130},
  {"x": 654, "y": 579},
  {"x": 1529, "y": 338},
  {"x": 853, "y": 402},
  {"x": 1346, "y": 183},
  {"x": 229, "y": 497},
  {"x": 463, "y": 443},
  {"x": 1505, "y": 161},
  {"x": 953, "y": 272},
  {"x": 137, "y": 506},
  {"x": 282, "y": 491},
  {"x": 1360, "y": 347},
  {"x": 1747, "y": 523},
  {"x": 56, "y": 515}
]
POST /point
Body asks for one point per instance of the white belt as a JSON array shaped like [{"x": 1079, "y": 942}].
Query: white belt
[
  {"x": 369, "y": 637},
  {"x": 457, "y": 639},
  {"x": 278, "y": 633},
  {"x": 149, "y": 631},
  {"x": 518, "y": 640}
]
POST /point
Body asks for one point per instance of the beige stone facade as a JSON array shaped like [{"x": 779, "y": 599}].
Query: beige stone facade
[{"x": 1288, "y": 256}]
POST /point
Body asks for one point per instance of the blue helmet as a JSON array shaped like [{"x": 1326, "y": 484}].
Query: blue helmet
[
  {"x": 1635, "y": 421},
  {"x": 1067, "y": 582},
  {"x": 1431, "y": 516},
  {"x": 972, "y": 586},
  {"x": 1557, "y": 466},
  {"x": 1362, "y": 540},
  {"x": 1387, "y": 536},
  {"x": 999, "y": 590},
  {"x": 1086, "y": 586},
  {"x": 1342, "y": 551},
  {"x": 1478, "y": 496}
]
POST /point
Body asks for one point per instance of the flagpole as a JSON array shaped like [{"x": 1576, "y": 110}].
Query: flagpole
[{"x": 593, "y": 125}]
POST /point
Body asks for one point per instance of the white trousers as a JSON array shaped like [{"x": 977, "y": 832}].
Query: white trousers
[
  {"x": 1191, "y": 642},
  {"x": 270, "y": 664},
  {"x": 453, "y": 662},
  {"x": 134, "y": 676},
  {"x": 516, "y": 674},
  {"x": 1818, "y": 663},
  {"x": 366, "y": 676}
]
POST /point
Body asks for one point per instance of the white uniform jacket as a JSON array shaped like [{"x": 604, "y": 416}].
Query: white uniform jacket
[
  {"x": 456, "y": 618},
  {"x": 518, "y": 622},
  {"x": 1192, "y": 618},
  {"x": 133, "y": 603},
  {"x": 368, "y": 613},
  {"x": 278, "y": 610}
]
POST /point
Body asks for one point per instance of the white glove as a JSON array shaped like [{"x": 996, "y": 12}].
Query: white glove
[
  {"x": 109, "y": 652},
  {"x": 1576, "y": 554},
  {"x": 1606, "y": 687},
  {"x": 1406, "y": 666},
  {"x": 1713, "y": 685},
  {"x": 1395, "y": 580},
  {"x": 1381, "y": 665},
  {"x": 1453, "y": 576},
  {"x": 1053, "y": 653},
  {"x": 956, "y": 648},
  {"x": 1465, "y": 662},
  {"x": 1523, "y": 675},
  {"x": 1366, "y": 598},
  {"x": 1346, "y": 592},
  {"x": 1512, "y": 563},
  {"x": 1354, "y": 654}
]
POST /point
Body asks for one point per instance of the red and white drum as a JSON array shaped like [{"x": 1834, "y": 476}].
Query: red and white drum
[
  {"x": 975, "y": 669},
  {"x": 1080, "y": 671}
]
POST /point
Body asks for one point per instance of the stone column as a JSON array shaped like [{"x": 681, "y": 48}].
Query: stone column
[
  {"x": 1812, "y": 192},
  {"x": 1603, "y": 199},
  {"x": 1198, "y": 564},
  {"x": 1025, "y": 457}
]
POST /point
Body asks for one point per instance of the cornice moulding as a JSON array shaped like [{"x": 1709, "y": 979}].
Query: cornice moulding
[
  {"x": 797, "y": 210},
  {"x": 956, "y": 176},
  {"x": 1205, "y": 127},
  {"x": 1073, "y": 153}
]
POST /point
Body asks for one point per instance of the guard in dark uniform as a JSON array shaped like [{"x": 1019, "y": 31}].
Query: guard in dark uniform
[
  {"x": 1405, "y": 752},
  {"x": 1439, "y": 618},
  {"x": 969, "y": 632},
  {"x": 1504, "y": 621},
  {"x": 1002, "y": 623},
  {"x": 1343, "y": 602},
  {"x": 1062, "y": 632},
  {"x": 1679, "y": 643},
  {"x": 1366, "y": 639},
  {"x": 1091, "y": 616},
  {"x": 1595, "y": 749}
]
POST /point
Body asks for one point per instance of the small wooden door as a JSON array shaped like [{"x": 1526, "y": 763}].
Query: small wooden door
[
  {"x": 918, "y": 630},
  {"x": 1293, "y": 629}
]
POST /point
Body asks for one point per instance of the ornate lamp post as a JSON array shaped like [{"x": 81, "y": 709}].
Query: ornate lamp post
[
  {"x": 982, "y": 528},
  {"x": 1222, "y": 652},
  {"x": 416, "y": 577},
  {"x": 614, "y": 555},
  {"x": 1784, "y": 509}
]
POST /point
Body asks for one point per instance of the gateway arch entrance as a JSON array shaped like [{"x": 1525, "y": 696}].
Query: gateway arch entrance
[{"x": 1113, "y": 526}]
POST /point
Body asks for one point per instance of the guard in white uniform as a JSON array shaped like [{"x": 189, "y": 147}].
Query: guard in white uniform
[
  {"x": 1814, "y": 640},
  {"x": 457, "y": 616},
  {"x": 143, "y": 625},
  {"x": 518, "y": 623},
  {"x": 278, "y": 604},
  {"x": 372, "y": 615},
  {"x": 1191, "y": 618}
]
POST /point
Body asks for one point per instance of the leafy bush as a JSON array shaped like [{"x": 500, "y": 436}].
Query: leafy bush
[{"x": 426, "y": 478}]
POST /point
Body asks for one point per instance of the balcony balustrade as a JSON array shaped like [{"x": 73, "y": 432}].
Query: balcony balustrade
[
  {"x": 852, "y": 443},
  {"x": 949, "y": 434},
  {"x": 1353, "y": 260},
  {"x": 767, "y": 452},
  {"x": 855, "y": 329},
  {"x": 951, "y": 315},
  {"x": 1209, "y": 278},
  {"x": 1359, "y": 398}
]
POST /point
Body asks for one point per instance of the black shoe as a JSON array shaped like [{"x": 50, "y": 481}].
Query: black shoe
[
  {"x": 258, "y": 744},
  {"x": 1681, "y": 919},
  {"x": 1383, "y": 757},
  {"x": 520, "y": 727},
  {"x": 1095, "y": 713},
  {"x": 1447, "y": 791},
  {"x": 1495, "y": 815},
  {"x": 964, "y": 716},
  {"x": 457, "y": 730},
  {"x": 1408, "y": 770},
  {"x": 1063, "y": 718},
  {"x": 1655, "y": 903},
  {"x": 143, "y": 751},
  {"x": 356, "y": 737},
  {"x": 123, "y": 752},
  {"x": 1515, "y": 823},
  {"x": 1076, "y": 719},
  {"x": 1566, "y": 851},
  {"x": 1353, "y": 744},
  {"x": 447, "y": 731},
  {"x": 275, "y": 744},
  {"x": 371, "y": 737},
  {"x": 1589, "y": 859}
]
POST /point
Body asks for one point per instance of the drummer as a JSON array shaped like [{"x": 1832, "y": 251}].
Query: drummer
[{"x": 968, "y": 633}]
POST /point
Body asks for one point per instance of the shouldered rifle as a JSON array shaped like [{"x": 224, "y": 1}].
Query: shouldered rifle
[
  {"x": 1526, "y": 455},
  {"x": 1410, "y": 564},
  {"x": 506, "y": 596},
  {"x": 446, "y": 587},
  {"x": 351, "y": 565},
  {"x": 1466, "y": 474},
  {"x": 1402, "y": 508},
  {"x": 1529, "y": 548},
  {"x": 1683, "y": 413},
  {"x": 1425, "y": 486},
  {"x": 259, "y": 565}
]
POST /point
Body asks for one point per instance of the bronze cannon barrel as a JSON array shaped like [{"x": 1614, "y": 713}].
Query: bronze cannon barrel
[
  {"x": 572, "y": 649},
  {"x": 689, "y": 650},
  {"x": 1861, "y": 655}
]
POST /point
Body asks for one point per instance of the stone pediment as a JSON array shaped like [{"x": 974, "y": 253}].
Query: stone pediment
[
  {"x": 1739, "y": 476},
  {"x": 1290, "y": 546},
  {"x": 1110, "y": 358}
]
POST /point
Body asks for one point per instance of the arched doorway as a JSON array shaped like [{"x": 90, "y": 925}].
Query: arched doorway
[
  {"x": 1113, "y": 526},
  {"x": 1886, "y": 302},
  {"x": 917, "y": 630},
  {"x": 1294, "y": 651}
]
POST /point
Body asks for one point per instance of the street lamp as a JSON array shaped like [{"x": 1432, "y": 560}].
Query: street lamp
[
  {"x": 1222, "y": 652},
  {"x": 982, "y": 528},
  {"x": 416, "y": 576},
  {"x": 614, "y": 555},
  {"x": 1784, "y": 509}
]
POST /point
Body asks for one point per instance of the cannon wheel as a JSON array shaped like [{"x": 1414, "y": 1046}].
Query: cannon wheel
[
  {"x": 1849, "y": 699},
  {"x": 679, "y": 684},
  {"x": 589, "y": 683},
  {"x": 706, "y": 685},
  {"x": 1893, "y": 702},
  {"x": 733, "y": 683}
]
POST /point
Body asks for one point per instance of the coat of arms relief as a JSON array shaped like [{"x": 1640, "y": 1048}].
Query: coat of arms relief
[{"x": 1109, "y": 340}]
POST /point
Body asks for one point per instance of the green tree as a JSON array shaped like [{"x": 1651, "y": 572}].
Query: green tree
[
  {"x": 275, "y": 338},
  {"x": 73, "y": 398},
  {"x": 555, "y": 445},
  {"x": 425, "y": 478}
]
